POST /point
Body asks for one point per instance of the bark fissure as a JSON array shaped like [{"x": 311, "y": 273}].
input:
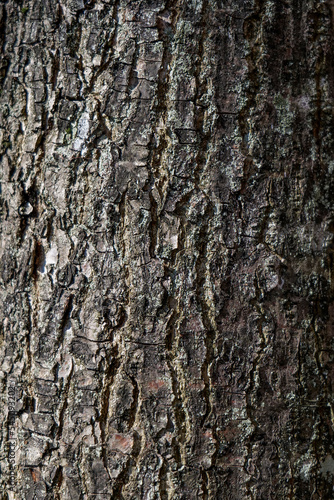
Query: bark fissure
[{"x": 166, "y": 202}]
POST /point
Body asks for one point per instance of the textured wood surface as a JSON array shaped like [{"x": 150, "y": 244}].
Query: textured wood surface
[{"x": 167, "y": 249}]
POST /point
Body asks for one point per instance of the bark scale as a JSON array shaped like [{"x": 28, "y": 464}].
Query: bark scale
[{"x": 167, "y": 249}]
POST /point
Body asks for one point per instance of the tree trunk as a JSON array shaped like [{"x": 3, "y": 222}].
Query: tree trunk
[{"x": 167, "y": 249}]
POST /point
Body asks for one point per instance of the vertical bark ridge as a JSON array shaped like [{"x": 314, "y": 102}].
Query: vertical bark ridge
[{"x": 167, "y": 248}]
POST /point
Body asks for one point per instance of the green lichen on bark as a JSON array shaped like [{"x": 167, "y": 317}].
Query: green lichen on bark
[{"x": 167, "y": 248}]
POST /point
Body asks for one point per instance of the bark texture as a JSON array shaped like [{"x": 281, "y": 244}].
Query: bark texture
[{"x": 167, "y": 248}]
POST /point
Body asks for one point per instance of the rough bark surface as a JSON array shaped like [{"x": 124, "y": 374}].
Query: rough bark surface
[{"x": 167, "y": 249}]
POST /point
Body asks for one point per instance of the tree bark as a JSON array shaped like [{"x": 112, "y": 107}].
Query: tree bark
[{"x": 167, "y": 249}]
